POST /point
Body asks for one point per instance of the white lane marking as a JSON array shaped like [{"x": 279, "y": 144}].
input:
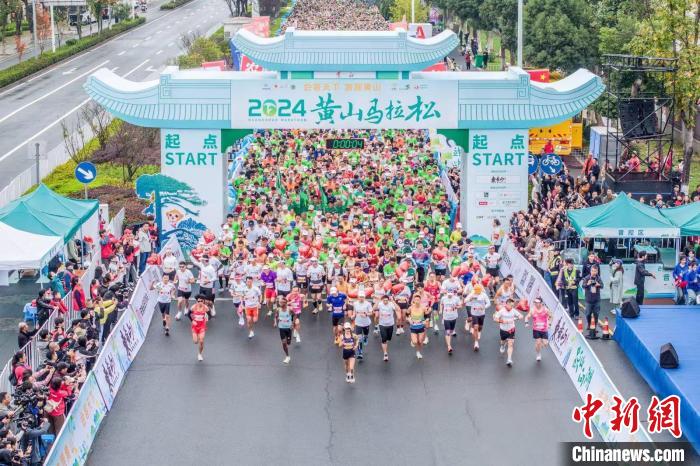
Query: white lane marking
[
  {"x": 23, "y": 143},
  {"x": 150, "y": 69},
  {"x": 58, "y": 120},
  {"x": 149, "y": 37},
  {"x": 159, "y": 52},
  {"x": 115, "y": 68},
  {"x": 38, "y": 99},
  {"x": 70, "y": 71},
  {"x": 121, "y": 53},
  {"x": 135, "y": 45},
  {"x": 137, "y": 67}
]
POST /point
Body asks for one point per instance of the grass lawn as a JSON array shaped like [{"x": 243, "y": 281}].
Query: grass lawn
[{"x": 62, "y": 179}]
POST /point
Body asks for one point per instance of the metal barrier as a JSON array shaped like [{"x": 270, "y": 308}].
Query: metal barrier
[{"x": 31, "y": 350}]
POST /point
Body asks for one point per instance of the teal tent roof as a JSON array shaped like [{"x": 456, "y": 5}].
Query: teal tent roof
[
  {"x": 44, "y": 212},
  {"x": 622, "y": 217},
  {"x": 686, "y": 217}
]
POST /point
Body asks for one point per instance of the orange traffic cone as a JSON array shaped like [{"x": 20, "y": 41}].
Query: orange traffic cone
[
  {"x": 592, "y": 330},
  {"x": 606, "y": 329},
  {"x": 580, "y": 324}
]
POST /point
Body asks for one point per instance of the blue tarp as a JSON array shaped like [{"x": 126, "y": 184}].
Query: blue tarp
[{"x": 641, "y": 340}]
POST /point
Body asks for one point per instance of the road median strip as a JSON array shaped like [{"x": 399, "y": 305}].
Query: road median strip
[{"x": 35, "y": 64}]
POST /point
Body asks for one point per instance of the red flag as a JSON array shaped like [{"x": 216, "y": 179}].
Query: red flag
[{"x": 540, "y": 76}]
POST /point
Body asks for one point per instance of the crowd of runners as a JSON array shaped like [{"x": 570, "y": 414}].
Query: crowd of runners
[
  {"x": 335, "y": 15},
  {"x": 363, "y": 235}
]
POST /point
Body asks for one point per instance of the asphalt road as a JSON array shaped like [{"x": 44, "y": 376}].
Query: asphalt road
[
  {"x": 33, "y": 109},
  {"x": 243, "y": 406}
]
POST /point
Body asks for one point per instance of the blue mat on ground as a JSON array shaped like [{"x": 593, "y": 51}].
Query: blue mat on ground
[{"x": 641, "y": 340}]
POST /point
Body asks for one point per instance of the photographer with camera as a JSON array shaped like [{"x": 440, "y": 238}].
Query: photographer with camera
[{"x": 55, "y": 406}]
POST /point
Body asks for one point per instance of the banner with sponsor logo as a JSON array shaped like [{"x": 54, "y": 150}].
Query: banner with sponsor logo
[
  {"x": 193, "y": 198},
  {"x": 143, "y": 300},
  {"x": 344, "y": 103},
  {"x": 569, "y": 346},
  {"x": 494, "y": 176},
  {"x": 73, "y": 444},
  {"x": 97, "y": 395}
]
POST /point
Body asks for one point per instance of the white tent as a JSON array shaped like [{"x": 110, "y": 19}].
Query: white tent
[{"x": 25, "y": 250}]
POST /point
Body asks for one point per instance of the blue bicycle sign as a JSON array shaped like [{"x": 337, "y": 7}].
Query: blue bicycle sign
[
  {"x": 532, "y": 164},
  {"x": 551, "y": 164}
]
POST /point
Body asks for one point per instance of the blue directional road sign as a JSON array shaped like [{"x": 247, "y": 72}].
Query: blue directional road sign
[
  {"x": 85, "y": 172},
  {"x": 532, "y": 163},
  {"x": 551, "y": 164}
]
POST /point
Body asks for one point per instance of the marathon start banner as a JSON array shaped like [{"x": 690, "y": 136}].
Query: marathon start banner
[{"x": 347, "y": 103}]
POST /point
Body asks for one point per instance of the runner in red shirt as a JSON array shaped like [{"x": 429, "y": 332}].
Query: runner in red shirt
[{"x": 199, "y": 314}]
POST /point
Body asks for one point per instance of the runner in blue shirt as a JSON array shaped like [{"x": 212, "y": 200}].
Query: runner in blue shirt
[{"x": 336, "y": 306}]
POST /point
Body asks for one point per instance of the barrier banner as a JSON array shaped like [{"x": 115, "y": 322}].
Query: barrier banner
[
  {"x": 568, "y": 345},
  {"x": 109, "y": 372},
  {"x": 143, "y": 299},
  {"x": 73, "y": 444},
  {"x": 118, "y": 353}
]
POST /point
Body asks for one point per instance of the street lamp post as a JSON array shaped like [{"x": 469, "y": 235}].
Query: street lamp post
[
  {"x": 520, "y": 34},
  {"x": 413, "y": 11},
  {"x": 37, "y": 155},
  {"x": 34, "y": 25}
]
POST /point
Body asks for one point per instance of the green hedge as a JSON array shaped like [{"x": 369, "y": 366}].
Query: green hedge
[
  {"x": 32, "y": 65},
  {"x": 10, "y": 29},
  {"x": 172, "y": 4}
]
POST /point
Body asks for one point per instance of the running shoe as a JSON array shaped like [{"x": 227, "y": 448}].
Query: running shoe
[
  {"x": 347, "y": 378},
  {"x": 200, "y": 357},
  {"x": 502, "y": 349},
  {"x": 436, "y": 329},
  {"x": 352, "y": 379},
  {"x": 167, "y": 332},
  {"x": 426, "y": 340},
  {"x": 251, "y": 334},
  {"x": 413, "y": 345},
  {"x": 178, "y": 315},
  {"x": 360, "y": 357},
  {"x": 297, "y": 338},
  {"x": 286, "y": 360},
  {"x": 269, "y": 314},
  {"x": 213, "y": 311},
  {"x": 539, "y": 357},
  {"x": 449, "y": 351},
  {"x": 509, "y": 363},
  {"x": 386, "y": 357},
  {"x": 376, "y": 330},
  {"x": 241, "y": 321},
  {"x": 418, "y": 355},
  {"x": 476, "y": 346},
  {"x": 315, "y": 311}
]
